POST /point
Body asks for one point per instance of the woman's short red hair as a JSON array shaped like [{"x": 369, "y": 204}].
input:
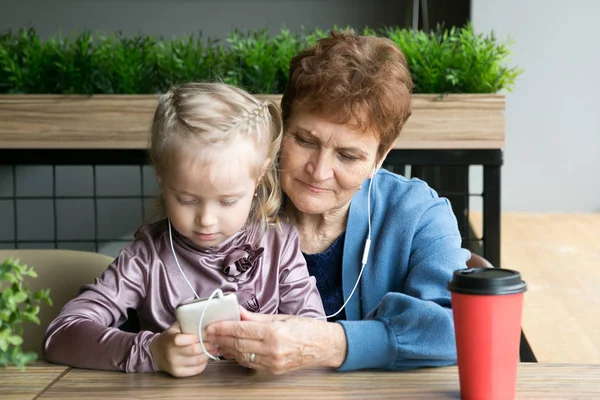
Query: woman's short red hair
[{"x": 360, "y": 81}]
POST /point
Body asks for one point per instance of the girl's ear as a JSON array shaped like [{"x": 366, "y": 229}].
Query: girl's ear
[{"x": 263, "y": 169}]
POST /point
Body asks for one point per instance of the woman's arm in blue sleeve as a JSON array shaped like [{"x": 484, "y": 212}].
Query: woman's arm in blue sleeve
[{"x": 414, "y": 328}]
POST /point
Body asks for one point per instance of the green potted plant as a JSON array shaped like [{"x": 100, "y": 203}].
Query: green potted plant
[
  {"x": 18, "y": 305},
  {"x": 99, "y": 91}
]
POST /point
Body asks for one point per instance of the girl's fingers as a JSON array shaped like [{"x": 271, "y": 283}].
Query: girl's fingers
[
  {"x": 191, "y": 370},
  {"x": 196, "y": 349},
  {"x": 192, "y": 361},
  {"x": 181, "y": 339}
]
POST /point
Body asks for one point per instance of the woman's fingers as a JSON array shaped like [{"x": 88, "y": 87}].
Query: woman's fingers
[
  {"x": 256, "y": 330},
  {"x": 233, "y": 344},
  {"x": 280, "y": 343},
  {"x": 257, "y": 363},
  {"x": 290, "y": 344},
  {"x": 246, "y": 315},
  {"x": 227, "y": 354}
]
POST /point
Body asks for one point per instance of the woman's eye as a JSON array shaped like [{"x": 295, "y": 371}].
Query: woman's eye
[
  {"x": 348, "y": 157},
  {"x": 302, "y": 142}
]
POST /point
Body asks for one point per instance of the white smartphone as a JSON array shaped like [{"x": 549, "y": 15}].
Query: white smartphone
[{"x": 218, "y": 309}]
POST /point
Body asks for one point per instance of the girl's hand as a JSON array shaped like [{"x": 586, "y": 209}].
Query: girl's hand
[
  {"x": 280, "y": 343},
  {"x": 178, "y": 354}
]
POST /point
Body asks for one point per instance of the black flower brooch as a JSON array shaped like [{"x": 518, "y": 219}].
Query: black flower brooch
[{"x": 241, "y": 259}]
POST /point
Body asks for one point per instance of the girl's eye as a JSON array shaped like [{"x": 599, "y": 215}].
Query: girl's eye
[
  {"x": 229, "y": 203},
  {"x": 186, "y": 202}
]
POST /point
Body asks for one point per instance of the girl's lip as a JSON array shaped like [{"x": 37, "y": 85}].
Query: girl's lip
[{"x": 206, "y": 236}]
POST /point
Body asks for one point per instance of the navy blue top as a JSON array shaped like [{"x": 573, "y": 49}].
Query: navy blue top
[{"x": 326, "y": 267}]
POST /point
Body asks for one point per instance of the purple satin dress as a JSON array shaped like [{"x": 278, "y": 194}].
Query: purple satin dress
[{"x": 268, "y": 274}]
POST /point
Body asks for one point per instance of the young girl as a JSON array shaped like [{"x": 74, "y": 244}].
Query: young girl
[{"x": 213, "y": 147}]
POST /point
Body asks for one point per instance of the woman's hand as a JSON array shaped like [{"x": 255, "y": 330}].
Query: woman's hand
[
  {"x": 280, "y": 343},
  {"x": 178, "y": 354}
]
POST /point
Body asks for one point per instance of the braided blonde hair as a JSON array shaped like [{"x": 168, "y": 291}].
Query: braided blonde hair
[{"x": 213, "y": 113}]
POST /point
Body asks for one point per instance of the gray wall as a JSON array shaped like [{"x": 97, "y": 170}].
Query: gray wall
[
  {"x": 216, "y": 18},
  {"x": 552, "y": 157}
]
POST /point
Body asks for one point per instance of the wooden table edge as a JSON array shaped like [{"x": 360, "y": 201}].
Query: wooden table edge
[{"x": 54, "y": 381}]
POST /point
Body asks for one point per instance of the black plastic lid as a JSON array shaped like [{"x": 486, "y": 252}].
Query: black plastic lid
[{"x": 492, "y": 281}]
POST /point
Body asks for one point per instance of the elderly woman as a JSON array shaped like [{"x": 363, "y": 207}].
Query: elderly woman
[{"x": 381, "y": 247}]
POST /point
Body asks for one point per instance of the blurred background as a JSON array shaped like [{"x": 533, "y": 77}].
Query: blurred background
[
  {"x": 549, "y": 194},
  {"x": 552, "y": 153}
]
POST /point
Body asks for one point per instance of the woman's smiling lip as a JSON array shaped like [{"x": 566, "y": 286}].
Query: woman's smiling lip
[{"x": 312, "y": 188}]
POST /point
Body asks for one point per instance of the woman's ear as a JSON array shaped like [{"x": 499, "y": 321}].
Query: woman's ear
[
  {"x": 374, "y": 171},
  {"x": 380, "y": 162}
]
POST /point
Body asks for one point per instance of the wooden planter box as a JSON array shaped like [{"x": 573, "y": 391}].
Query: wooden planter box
[{"x": 458, "y": 121}]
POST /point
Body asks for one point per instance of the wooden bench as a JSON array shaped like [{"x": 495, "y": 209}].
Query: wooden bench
[{"x": 559, "y": 257}]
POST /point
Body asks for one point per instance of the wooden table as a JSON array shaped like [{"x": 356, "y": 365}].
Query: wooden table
[
  {"x": 227, "y": 380},
  {"x": 559, "y": 257},
  {"x": 16, "y": 384}
]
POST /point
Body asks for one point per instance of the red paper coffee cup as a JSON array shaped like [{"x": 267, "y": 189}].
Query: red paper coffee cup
[{"x": 487, "y": 304}]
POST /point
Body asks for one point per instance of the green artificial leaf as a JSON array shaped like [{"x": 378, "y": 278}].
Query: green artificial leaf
[
  {"x": 18, "y": 305},
  {"x": 15, "y": 340},
  {"x": 455, "y": 60}
]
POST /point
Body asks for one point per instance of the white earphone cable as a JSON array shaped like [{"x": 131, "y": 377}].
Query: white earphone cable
[
  {"x": 177, "y": 261},
  {"x": 365, "y": 252},
  {"x": 216, "y": 292},
  {"x": 219, "y": 294}
]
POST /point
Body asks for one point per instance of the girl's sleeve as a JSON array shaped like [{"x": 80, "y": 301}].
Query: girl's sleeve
[{"x": 85, "y": 334}]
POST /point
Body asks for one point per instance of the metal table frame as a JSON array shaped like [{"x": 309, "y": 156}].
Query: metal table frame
[{"x": 491, "y": 160}]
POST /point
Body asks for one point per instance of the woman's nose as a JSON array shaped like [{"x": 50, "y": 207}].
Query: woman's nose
[{"x": 321, "y": 167}]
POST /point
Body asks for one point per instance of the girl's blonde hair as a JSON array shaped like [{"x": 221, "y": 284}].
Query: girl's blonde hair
[{"x": 211, "y": 113}]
